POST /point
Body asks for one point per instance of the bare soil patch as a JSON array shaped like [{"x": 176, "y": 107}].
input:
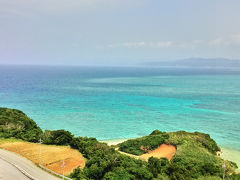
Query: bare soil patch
[{"x": 163, "y": 150}]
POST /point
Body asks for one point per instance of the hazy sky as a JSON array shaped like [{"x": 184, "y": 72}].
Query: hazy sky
[{"x": 117, "y": 31}]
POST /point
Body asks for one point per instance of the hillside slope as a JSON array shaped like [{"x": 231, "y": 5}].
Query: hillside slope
[{"x": 14, "y": 123}]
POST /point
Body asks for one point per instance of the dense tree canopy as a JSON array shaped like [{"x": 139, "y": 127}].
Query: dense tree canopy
[
  {"x": 195, "y": 158},
  {"x": 14, "y": 123},
  {"x": 58, "y": 137}
]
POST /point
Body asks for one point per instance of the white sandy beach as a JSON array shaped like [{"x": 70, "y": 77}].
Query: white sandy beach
[
  {"x": 231, "y": 155},
  {"x": 114, "y": 141}
]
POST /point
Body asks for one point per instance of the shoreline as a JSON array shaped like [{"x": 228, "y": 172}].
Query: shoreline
[
  {"x": 227, "y": 153},
  {"x": 231, "y": 155},
  {"x": 111, "y": 142}
]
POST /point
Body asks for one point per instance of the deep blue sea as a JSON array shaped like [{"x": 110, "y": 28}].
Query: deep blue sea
[{"x": 126, "y": 102}]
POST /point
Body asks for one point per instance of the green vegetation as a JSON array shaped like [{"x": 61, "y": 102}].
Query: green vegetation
[
  {"x": 58, "y": 137},
  {"x": 195, "y": 157},
  {"x": 9, "y": 140},
  {"x": 158, "y": 167},
  {"x": 192, "y": 160},
  {"x": 105, "y": 162},
  {"x": 14, "y": 123},
  {"x": 141, "y": 145}
]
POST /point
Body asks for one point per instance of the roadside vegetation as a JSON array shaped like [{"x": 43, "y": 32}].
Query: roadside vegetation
[{"x": 195, "y": 157}]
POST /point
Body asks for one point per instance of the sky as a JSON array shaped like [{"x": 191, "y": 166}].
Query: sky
[{"x": 117, "y": 32}]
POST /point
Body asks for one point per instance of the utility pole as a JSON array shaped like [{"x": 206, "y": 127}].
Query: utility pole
[
  {"x": 224, "y": 168},
  {"x": 63, "y": 165},
  {"x": 39, "y": 158}
]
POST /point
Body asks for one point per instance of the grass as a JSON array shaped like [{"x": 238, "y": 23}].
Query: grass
[
  {"x": 198, "y": 148},
  {"x": 51, "y": 155},
  {"x": 9, "y": 140}
]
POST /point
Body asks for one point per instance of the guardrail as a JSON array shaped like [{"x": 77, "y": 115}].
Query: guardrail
[{"x": 49, "y": 170}]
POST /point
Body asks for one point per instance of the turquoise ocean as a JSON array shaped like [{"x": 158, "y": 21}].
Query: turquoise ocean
[{"x": 126, "y": 102}]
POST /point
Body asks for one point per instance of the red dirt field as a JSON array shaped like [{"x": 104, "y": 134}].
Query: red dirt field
[{"x": 163, "y": 150}]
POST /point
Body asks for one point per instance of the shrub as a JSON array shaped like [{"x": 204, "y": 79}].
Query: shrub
[
  {"x": 156, "y": 132},
  {"x": 118, "y": 174},
  {"x": 14, "y": 123},
  {"x": 141, "y": 145},
  {"x": 158, "y": 166},
  {"x": 207, "y": 142},
  {"x": 106, "y": 163},
  {"x": 58, "y": 137}
]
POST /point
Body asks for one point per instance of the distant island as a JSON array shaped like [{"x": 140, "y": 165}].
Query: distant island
[
  {"x": 197, "y": 63},
  {"x": 190, "y": 156}
]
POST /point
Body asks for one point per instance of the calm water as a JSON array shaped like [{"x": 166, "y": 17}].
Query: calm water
[{"x": 115, "y": 103}]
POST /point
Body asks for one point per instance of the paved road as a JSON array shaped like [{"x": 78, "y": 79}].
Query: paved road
[
  {"x": 7, "y": 171},
  {"x": 10, "y": 162}
]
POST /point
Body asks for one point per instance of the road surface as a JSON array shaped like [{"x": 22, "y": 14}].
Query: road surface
[
  {"x": 15, "y": 167},
  {"x": 8, "y": 171}
]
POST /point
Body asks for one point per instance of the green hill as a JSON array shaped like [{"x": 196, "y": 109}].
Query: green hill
[
  {"x": 195, "y": 156},
  {"x": 14, "y": 123}
]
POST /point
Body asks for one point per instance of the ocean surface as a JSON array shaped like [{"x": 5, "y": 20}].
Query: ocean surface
[{"x": 126, "y": 102}]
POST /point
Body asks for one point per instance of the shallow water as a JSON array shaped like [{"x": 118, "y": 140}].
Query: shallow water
[{"x": 119, "y": 103}]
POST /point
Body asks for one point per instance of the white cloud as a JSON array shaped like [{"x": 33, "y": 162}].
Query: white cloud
[
  {"x": 163, "y": 44},
  {"x": 186, "y": 45},
  {"x": 140, "y": 44},
  {"x": 236, "y": 39},
  {"x": 133, "y": 44},
  {"x": 232, "y": 40},
  {"x": 219, "y": 41},
  {"x": 189, "y": 44}
]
